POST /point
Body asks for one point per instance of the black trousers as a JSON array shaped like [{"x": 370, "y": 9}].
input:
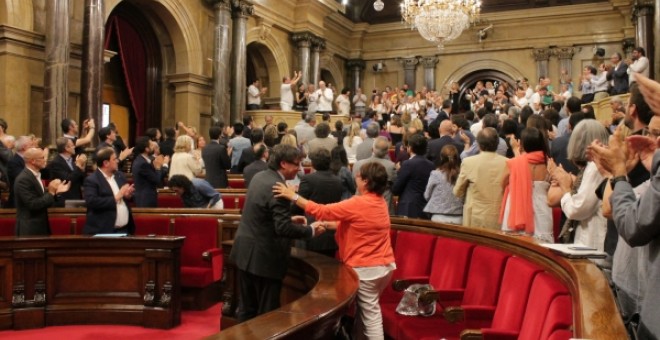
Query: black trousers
[{"x": 257, "y": 295}]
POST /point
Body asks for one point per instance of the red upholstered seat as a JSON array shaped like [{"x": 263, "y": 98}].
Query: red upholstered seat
[
  {"x": 169, "y": 200},
  {"x": 481, "y": 292},
  {"x": 80, "y": 224},
  {"x": 7, "y": 226},
  {"x": 157, "y": 225},
  {"x": 516, "y": 285},
  {"x": 449, "y": 268},
  {"x": 545, "y": 288},
  {"x": 236, "y": 183},
  {"x": 233, "y": 201},
  {"x": 560, "y": 316},
  {"x": 60, "y": 225},
  {"x": 556, "y": 222},
  {"x": 201, "y": 237}
]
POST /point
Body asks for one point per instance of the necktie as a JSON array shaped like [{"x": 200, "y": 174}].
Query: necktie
[{"x": 70, "y": 162}]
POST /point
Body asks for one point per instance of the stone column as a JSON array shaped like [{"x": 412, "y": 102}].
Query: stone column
[
  {"x": 565, "y": 55},
  {"x": 304, "y": 42},
  {"x": 409, "y": 67},
  {"x": 541, "y": 55},
  {"x": 429, "y": 71},
  {"x": 643, "y": 20},
  {"x": 355, "y": 66},
  {"x": 221, "y": 59},
  {"x": 318, "y": 45},
  {"x": 56, "y": 77},
  {"x": 91, "y": 82},
  {"x": 241, "y": 11}
]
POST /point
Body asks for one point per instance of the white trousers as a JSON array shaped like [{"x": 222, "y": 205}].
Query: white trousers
[{"x": 369, "y": 321}]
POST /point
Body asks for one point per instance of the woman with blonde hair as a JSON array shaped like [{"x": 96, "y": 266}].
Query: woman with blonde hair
[
  {"x": 352, "y": 141},
  {"x": 183, "y": 161}
]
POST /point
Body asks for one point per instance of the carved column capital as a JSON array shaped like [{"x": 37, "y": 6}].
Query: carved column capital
[
  {"x": 541, "y": 54},
  {"x": 318, "y": 44},
  {"x": 358, "y": 64},
  {"x": 642, "y": 8},
  {"x": 429, "y": 62},
  {"x": 409, "y": 63},
  {"x": 242, "y": 8},
  {"x": 565, "y": 52},
  {"x": 303, "y": 39},
  {"x": 219, "y": 4}
]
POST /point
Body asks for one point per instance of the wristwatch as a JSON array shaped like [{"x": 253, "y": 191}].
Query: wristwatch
[{"x": 613, "y": 180}]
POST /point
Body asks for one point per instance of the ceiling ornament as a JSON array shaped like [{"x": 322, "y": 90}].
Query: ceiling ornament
[{"x": 440, "y": 21}]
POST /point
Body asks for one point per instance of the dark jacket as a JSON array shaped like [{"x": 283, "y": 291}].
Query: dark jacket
[
  {"x": 216, "y": 162},
  {"x": 101, "y": 205},
  {"x": 58, "y": 168},
  {"x": 32, "y": 204},
  {"x": 410, "y": 185},
  {"x": 146, "y": 180},
  {"x": 262, "y": 245},
  {"x": 14, "y": 168}
]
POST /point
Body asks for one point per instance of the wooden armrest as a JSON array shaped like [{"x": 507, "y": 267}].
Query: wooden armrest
[
  {"x": 454, "y": 314},
  {"x": 400, "y": 285},
  {"x": 471, "y": 334},
  {"x": 211, "y": 253}
]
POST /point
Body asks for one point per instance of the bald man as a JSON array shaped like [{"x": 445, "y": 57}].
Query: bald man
[
  {"x": 32, "y": 199},
  {"x": 446, "y": 131}
]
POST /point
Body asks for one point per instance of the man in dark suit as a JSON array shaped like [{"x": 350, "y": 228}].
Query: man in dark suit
[
  {"x": 167, "y": 145},
  {"x": 105, "y": 193},
  {"x": 70, "y": 129},
  {"x": 258, "y": 165},
  {"x": 64, "y": 167},
  {"x": 321, "y": 186},
  {"x": 446, "y": 138},
  {"x": 559, "y": 145},
  {"x": 32, "y": 201},
  {"x": 108, "y": 137},
  {"x": 216, "y": 159},
  {"x": 618, "y": 74},
  {"x": 411, "y": 181},
  {"x": 262, "y": 244},
  {"x": 147, "y": 173},
  {"x": 16, "y": 165}
]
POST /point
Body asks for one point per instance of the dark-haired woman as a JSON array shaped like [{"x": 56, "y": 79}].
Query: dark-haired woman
[
  {"x": 443, "y": 206},
  {"x": 362, "y": 226},
  {"x": 525, "y": 207}
]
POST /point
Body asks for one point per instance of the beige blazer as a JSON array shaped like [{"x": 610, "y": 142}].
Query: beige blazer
[{"x": 480, "y": 182}]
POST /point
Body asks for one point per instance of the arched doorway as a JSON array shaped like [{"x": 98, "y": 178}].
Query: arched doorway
[
  {"x": 329, "y": 80},
  {"x": 132, "y": 83},
  {"x": 260, "y": 65},
  {"x": 495, "y": 76}
]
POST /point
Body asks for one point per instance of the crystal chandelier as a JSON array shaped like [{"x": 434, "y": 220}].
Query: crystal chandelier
[{"x": 439, "y": 21}]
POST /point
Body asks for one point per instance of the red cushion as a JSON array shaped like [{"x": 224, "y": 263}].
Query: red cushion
[
  {"x": 7, "y": 226},
  {"x": 561, "y": 334},
  {"x": 201, "y": 235},
  {"x": 236, "y": 183},
  {"x": 544, "y": 290},
  {"x": 516, "y": 284},
  {"x": 435, "y": 326},
  {"x": 60, "y": 225},
  {"x": 80, "y": 224},
  {"x": 560, "y": 316},
  {"x": 484, "y": 276},
  {"x": 196, "y": 277},
  {"x": 451, "y": 260},
  {"x": 157, "y": 225},
  {"x": 169, "y": 200}
]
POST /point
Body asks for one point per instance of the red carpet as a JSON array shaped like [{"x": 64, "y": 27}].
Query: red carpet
[{"x": 194, "y": 325}]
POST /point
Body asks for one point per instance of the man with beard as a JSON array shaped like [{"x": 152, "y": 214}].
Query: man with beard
[{"x": 147, "y": 173}]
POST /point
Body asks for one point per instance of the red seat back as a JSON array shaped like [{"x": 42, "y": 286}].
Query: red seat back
[
  {"x": 80, "y": 224},
  {"x": 516, "y": 284},
  {"x": 236, "y": 183},
  {"x": 169, "y": 200},
  {"x": 201, "y": 235},
  {"x": 412, "y": 254},
  {"x": 7, "y": 226},
  {"x": 484, "y": 276},
  {"x": 561, "y": 334},
  {"x": 157, "y": 225},
  {"x": 560, "y": 316},
  {"x": 60, "y": 225},
  {"x": 451, "y": 259},
  {"x": 556, "y": 222},
  {"x": 545, "y": 289}
]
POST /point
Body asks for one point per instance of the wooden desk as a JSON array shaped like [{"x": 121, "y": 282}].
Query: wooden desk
[{"x": 67, "y": 280}]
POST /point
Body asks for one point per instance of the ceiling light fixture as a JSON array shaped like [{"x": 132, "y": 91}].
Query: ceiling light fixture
[{"x": 439, "y": 21}]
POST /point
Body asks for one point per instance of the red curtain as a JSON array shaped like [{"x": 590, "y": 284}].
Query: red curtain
[{"x": 134, "y": 63}]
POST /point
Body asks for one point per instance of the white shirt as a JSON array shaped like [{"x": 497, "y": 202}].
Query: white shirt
[
  {"x": 640, "y": 65},
  {"x": 343, "y": 105},
  {"x": 324, "y": 101},
  {"x": 360, "y": 100},
  {"x": 122, "y": 209},
  {"x": 536, "y": 99},
  {"x": 254, "y": 95},
  {"x": 286, "y": 97}
]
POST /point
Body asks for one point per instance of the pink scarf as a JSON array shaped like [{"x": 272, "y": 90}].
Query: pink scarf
[{"x": 519, "y": 192}]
